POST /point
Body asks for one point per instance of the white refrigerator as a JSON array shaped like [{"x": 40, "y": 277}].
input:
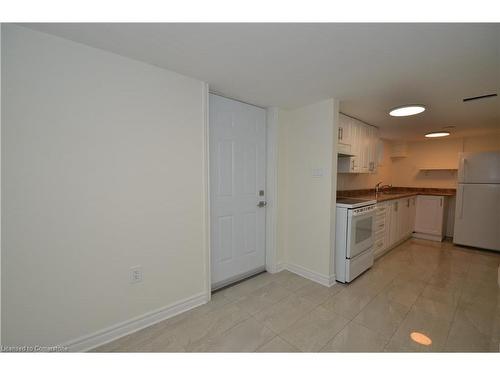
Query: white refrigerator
[{"x": 477, "y": 211}]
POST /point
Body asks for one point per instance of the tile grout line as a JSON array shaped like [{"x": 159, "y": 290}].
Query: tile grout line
[
  {"x": 456, "y": 308},
  {"x": 354, "y": 317},
  {"x": 406, "y": 315}
]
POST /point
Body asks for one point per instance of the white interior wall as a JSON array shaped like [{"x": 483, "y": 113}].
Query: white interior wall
[
  {"x": 306, "y": 174},
  {"x": 282, "y": 211},
  {"x": 102, "y": 170}
]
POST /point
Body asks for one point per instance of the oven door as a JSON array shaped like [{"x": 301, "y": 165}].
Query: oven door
[{"x": 360, "y": 231}]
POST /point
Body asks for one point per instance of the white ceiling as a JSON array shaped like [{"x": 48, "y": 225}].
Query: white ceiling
[{"x": 369, "y": 67}]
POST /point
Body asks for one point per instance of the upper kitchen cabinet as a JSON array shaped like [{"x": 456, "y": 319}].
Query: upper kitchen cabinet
[
  {"x": 357, "y": 146},
  {"x": 344, "y": 138}
]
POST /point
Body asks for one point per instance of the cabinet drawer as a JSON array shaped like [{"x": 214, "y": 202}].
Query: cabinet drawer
[
  {"x": 344, "y": 149},
  {"x": 381, "y": 210},
  {"x": 379, "y": 225},
  {"x": 379, "y": 245},
  {"x": 359, "y": 264},
  {"x": 379, "y": 235}
]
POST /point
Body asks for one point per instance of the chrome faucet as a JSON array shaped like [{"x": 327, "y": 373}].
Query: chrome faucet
[{"x": 379, "y": 187}]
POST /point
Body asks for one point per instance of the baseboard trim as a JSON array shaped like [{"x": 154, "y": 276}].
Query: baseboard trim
[
  {"x": 327, "y": 281},
  {"x": 278, "y": 267},
  {"x": 116, "y": 331},
  {"x": 430, "y": 237}
]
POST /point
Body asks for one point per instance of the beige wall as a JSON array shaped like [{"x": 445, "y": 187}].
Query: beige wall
[
  {"x": 102, "y": 170},
  {"x": 304, "y": 223},
  {"x": 437, "y": 153},
  {"x": 406, "y": 171}
]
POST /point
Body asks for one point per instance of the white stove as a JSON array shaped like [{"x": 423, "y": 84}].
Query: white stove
[
  {"x": 354, "y": 237},
  {"x": 354, "y": 202}
]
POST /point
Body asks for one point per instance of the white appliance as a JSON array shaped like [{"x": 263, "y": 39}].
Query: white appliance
[
  {"x": 354, "y": 238},
  {"x": 477, "y": 211}
]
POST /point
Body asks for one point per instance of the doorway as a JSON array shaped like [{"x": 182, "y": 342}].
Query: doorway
[{"x": 237, "y": 139}]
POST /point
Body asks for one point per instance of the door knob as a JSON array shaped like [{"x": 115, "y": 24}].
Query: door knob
[{"x": 262, "y": 204}]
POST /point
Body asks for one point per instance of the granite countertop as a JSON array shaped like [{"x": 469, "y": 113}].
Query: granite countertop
[{"x": 394, "y": 193}]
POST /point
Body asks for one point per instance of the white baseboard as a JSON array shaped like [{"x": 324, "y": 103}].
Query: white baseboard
[
  {"x": 278, "y": 267},
  {"x": 116, "y": 331},
  {"x": 327, "y": 281},
  {"x": 430, "y": 237}
]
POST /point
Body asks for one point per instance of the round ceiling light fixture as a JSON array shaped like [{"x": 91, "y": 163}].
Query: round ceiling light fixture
[
  {"x": 407, "y": 110},
  {"x": 437, "y": 134}
]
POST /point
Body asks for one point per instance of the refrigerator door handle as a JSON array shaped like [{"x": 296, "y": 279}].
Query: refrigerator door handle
[
  {"x": 464, "y": 169},
  {"x": 462, "y": 188}
]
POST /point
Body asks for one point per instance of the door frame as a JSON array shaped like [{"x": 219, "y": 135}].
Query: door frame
[{"x": 271, "y": 186}]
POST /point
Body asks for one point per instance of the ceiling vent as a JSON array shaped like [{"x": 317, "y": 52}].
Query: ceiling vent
[{"x": 479, "y": 97}]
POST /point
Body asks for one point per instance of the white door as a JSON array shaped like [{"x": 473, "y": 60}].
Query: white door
[
  {"x": 477, "y": 216},
  {"x": 237, "y": 185}
]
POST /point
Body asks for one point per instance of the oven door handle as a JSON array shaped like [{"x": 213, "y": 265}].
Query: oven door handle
[{"x": 365, "y": 213}]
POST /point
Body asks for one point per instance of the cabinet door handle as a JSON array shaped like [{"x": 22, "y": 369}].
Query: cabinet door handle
[
  {"x": 441, "y": 202},
  {"x": 352, "y": 164},
  {"x": 340, "y": 134}
]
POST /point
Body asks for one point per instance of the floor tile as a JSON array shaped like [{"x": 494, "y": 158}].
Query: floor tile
[
  {"x": 277, "y": 345},
  {"x": 420, "y": 323},
  {"x": 313, "y": 331},
  {"x": 291, "y": 281},
  {"x": 347, "y": 303},
  {"x": 382, "y": 315},
  {"x": 317, "y": 293},
  {"x": 446, "y": 292},
  {"x": 404, "y": 291},
  {"x": 285, "y": 312},
  {"x": 242, "y": 289},
  {"x": 263, "y": 297},
  {"x": 448, "y": 296},
  {"x": 192, "y": 335},
  {"x": 356, "y": 338},
  {"x": 437, "y": 309},
  {"x": 245, "y": 337},
  {"x": 464, "y": 336}
]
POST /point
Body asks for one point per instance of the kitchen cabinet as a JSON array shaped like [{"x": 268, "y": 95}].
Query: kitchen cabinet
[
  {"x": 382, "y": 225},
  {"x": 430, "y": 217},
  {"x": 373, "y": 149},
  {"x": 394, "y": 219},
  {"x": 406, "y": 217},
  {"x": 403, "y": 217},
  {"x": 344, "y": 134},
  {"x": 394, "y": 223},
  {"x": 413, "y": 212},
  {"x": 356, "y": 146}
]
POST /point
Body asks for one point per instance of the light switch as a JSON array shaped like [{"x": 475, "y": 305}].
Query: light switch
[{"x": 318, "y": 172}]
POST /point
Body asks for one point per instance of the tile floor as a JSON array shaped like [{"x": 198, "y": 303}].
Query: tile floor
[{"x": 449, "y": 294}]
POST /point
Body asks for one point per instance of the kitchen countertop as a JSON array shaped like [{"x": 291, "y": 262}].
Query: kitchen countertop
[{"x": 394, "y": 193}]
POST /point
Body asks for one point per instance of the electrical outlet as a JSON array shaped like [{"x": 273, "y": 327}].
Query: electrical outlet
[{"x": 136, "y": 274}]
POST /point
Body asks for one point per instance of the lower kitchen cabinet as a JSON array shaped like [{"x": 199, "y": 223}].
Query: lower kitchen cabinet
[
  {"x": 393, "y": 223},
  {"x": 430, "y": 217},
  {"x": 422, "y": 216}
]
